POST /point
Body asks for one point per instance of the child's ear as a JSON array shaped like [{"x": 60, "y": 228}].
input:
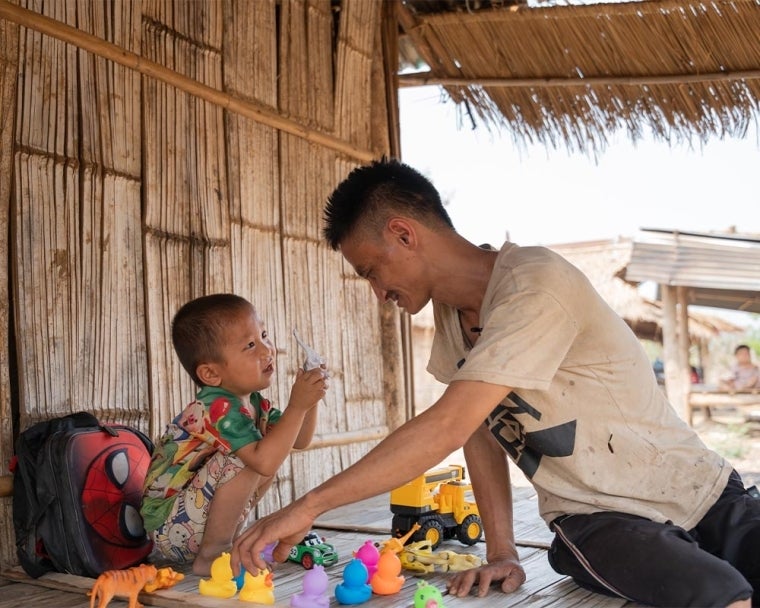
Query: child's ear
[{"x": 208, "y": 374}]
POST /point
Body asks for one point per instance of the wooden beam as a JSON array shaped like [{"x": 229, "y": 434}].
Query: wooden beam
[
  {"x": 6, "y": 485},
  {"x": 328, "y": 440},
  {"x": 115, "y": 53},
  {"x": 670, "y": 353},
  {"x": 428, "y": 78}
]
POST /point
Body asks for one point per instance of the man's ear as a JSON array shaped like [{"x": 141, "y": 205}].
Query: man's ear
[
  {"x": 402, "y": 230},
  {"x": 208, "y": 374}
]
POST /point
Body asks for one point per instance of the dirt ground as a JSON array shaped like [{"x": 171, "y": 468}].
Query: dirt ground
[{"x": 736, "y": 436}]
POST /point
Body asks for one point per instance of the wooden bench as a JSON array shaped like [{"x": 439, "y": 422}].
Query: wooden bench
[{"x": 708, "y": 397}]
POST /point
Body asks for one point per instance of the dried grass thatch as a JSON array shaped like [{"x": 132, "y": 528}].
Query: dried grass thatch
[{"x": 574, "y": 75}]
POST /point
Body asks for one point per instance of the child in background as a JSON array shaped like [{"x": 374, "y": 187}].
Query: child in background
[
  {"x": 219, "y": 455},
  {"x": 744, "y": 374}
]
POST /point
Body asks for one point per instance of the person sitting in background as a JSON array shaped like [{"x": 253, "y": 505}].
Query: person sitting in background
[{"x": 744, "y": 374}]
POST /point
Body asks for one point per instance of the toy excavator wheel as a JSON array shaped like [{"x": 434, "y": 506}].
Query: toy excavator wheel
[
  {"x": 470, "y": 530},
  {"x": 432, "y": 531}
]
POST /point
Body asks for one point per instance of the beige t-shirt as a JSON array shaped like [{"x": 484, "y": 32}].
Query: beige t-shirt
[{"x": 586, "y": 421}]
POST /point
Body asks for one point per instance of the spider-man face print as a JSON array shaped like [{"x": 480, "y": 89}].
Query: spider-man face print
[{"x": 112, "y": 493}]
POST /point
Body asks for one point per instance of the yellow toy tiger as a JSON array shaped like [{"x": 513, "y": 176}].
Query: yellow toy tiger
[{"x": 127, "y": 582}]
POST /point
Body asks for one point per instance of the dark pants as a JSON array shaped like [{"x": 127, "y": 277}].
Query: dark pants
[{"x": 716, "y": 563}]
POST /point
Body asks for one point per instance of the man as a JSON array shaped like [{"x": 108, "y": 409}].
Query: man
[{"x": 539, "y": 369}]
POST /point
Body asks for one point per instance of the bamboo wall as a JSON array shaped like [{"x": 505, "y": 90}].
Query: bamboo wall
[
  {"x": 8, "y": 78},
  {"x": 130, "y": 196}
]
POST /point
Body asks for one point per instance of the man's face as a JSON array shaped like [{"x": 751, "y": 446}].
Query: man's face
[{"x": 390, "y": 267}]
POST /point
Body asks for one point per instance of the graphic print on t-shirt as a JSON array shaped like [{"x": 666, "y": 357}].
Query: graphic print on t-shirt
[{"x": 528, "y": 448}]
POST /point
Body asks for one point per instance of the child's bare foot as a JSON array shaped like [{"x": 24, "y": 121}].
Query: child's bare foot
[{"x": 202, "y": 566}]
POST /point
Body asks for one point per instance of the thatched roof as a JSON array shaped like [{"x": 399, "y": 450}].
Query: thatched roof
[{"x": 571, "y": 76}]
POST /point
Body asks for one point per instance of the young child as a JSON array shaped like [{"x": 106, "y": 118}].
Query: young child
[
  {"x": 744, "y": 374},
  {"x": 219, "y": 455}
]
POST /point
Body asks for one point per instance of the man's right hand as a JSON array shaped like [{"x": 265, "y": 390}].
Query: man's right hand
[
  {"x": 507, "y": 570},
  {"x": 286, "y": 527}
]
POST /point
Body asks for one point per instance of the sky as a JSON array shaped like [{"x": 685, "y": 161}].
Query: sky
[{"x": 545, "y": 196}]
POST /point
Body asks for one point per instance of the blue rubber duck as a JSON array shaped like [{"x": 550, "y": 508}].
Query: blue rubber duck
[{"x": 354, "y": 588}]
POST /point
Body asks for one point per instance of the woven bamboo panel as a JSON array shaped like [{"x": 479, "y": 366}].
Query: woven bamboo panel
[
  {"x": 8, "y": 79},
  {"x": 77, "y": 212},
  {"x": 186, "y": 212},
  {"x": 133, "y": 196}
]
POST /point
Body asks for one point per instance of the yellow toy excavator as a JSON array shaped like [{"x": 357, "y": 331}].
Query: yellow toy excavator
[{"x": 437, "y": 502}]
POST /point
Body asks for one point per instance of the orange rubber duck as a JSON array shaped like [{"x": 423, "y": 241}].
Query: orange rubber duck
[{"x": 387, "y": 579}]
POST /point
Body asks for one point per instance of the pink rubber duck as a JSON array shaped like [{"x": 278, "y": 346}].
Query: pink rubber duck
[{"x": 369, "y": 554}]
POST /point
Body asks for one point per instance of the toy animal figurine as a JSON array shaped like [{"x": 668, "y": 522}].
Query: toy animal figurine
[
  {"x": 221, "y": 583},
  {"x": 369, "y": 555},
  {"x": 354, "y": 588},
  {"x": 427, "y": 596},
  {"x": 127, "y": 582},
  {"x": 258, "y": 589},
  {"x": 314, "y": 595},
  {"x": 451, "y": 561},
  {"x": 387, "y": 580},
  {"x": 419, "y": 557},
  {"x": 397, "y": 544},
  {"x": 313, "y": 358},
  {"x": 165, "y": 578}
]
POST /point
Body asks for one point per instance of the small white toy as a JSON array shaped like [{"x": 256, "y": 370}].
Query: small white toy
[{"x": 313, "y": 358}]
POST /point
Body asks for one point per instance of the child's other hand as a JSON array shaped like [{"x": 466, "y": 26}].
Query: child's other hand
[{"x": 309, "y": 387}]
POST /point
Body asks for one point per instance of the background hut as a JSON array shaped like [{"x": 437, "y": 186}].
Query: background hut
[{"x": 156, "y": 150}]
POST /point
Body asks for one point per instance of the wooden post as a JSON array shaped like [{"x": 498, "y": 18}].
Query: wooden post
[
  {"x": 673, "y": 383},
  {"x": 684, "y": 369},
  {"x": 6, "y": 485}
]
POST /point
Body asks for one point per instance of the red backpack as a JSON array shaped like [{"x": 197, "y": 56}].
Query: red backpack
[{"x": 77, "y": 489}]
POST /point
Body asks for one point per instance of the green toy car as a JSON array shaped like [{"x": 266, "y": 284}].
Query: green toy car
[{"x": 313, "y": 550}]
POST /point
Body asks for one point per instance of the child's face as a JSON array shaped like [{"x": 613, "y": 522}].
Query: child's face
[
  {"x": 247, "y": 356},
  {"x": 743, "y": 357}
]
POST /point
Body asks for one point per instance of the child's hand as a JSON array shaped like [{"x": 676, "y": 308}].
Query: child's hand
[{"x": 309, "y": 388}]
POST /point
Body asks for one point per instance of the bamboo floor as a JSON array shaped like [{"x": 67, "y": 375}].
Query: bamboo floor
[{"x": 347, "y": 529}]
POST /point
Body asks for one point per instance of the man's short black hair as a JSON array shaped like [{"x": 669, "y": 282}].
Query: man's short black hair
[
  {"x": 373, "y": 192},
  {"x": 741, "y": 347},
  {"x": 198, "y": 328}
]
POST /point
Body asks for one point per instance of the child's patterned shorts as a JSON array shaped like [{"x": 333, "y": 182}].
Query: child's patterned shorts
[{"x": 179, "y": 538}]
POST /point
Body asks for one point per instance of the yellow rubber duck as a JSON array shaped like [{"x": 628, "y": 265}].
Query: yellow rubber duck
[
  {"x": 221, "y": 583},
  {"x": 258, "y": 589}
]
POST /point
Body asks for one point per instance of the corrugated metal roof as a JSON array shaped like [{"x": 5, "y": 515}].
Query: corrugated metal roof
[{"x": 720, "y": 270}]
